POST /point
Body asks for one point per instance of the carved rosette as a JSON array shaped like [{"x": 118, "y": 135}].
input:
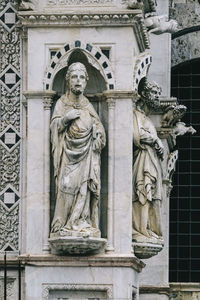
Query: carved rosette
[{"x": 10, "y": 126}]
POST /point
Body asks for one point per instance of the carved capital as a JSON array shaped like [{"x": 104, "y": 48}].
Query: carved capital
[
  {"x": 47, "y": 102},
  {"x": 111, "y": 103},
  {"x": 24, "y": 33},
  {"x": 47, "y": 97}
]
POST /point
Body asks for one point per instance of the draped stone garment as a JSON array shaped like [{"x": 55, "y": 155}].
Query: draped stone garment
[
  {"x": 147, "y": 172},
  {"x": 76, "y": 164}
]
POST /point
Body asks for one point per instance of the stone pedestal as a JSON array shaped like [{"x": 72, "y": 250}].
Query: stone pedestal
[
  {"x": 146, "y": 250},
  {"x": 76, "y": 245},
  {"x": 97, "y": 276}
]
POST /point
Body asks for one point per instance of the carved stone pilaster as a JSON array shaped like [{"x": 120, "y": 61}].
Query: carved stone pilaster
[{"x": 112, "y": 98}]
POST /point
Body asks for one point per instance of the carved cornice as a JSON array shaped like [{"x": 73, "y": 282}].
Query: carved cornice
[
  {"x": 149, "y": 289},
  {"x": 75, "y": 18},
  {"x": 133, "y": 18},
  {"x": 38, "y": 94},
  {"x": 81, "y": 261},
  {"x": 47, "y": 97},
  {"x": 117, "y": 94},
  {"x": 141, "y": 34}
]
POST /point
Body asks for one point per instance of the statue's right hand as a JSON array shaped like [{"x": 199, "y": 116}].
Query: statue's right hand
[{"x": 72, "y": 115}]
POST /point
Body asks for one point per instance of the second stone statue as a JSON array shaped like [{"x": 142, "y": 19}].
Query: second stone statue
[{"x": 78, "y": 137}]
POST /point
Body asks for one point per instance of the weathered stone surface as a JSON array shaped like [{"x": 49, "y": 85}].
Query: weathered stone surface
[
  {"x": 146, "y": 250},
  {"x": 185, "y": 47},
  {"x": 72, "y": 245},
  {"x": 186, "y": 13},
  {"x": 147, "y": 168},
  {"x": 184, "y": 291}
]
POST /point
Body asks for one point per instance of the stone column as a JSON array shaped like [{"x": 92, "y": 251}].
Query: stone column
[
  {"x": 47, "y": 101},
  {"x": 120, "y": 131},
  {"x": 111, "y": 155},
  {"x": 37, "y": 170}
]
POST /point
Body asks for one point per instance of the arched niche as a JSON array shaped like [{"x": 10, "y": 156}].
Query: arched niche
[
  {"x": 96, "y": 83},
  {"x": 141, "y": 68},
  {"x": 94, "y": 89},
  {"x": 75, "y": 50}
]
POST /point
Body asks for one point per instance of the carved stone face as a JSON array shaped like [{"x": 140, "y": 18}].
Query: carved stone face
[
  {"x": 77, "y": 81},
  {"x": 151, "y": 95},
  {"x": 154, "y": 94}
]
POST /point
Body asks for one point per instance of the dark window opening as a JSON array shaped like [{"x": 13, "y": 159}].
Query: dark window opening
[{"x": 184, "y": 247}]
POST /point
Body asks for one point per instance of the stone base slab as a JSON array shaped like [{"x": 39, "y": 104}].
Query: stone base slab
[
  {"x": 146, "y": 250},
  {"x": 76, "y": 245},
  {"x": 98, "y": 260}
]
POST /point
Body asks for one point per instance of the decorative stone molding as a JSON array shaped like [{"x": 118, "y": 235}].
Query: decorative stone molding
[
  {"x": 47, "y": 101},
  {"x": 102, "y": 18},
  {"x": 171, "y": 163},
  {"x": 188, "y": 290},
  {"x": 55, "y": 3},
  {"x": 76, "y": 287},
  {"x": 94, "y": 55},
  {"x": 9, "y": 197},
  {"x": 9, "y": 138},
  {"x": 149, "y": 289},
  {"x": 45, "y": 95},
  {"x": 141, "y": 33},
  {"x": 11, "y": 288},
  {"x": 110, "y": 260},
  {"x": 8, "y": 17},
  {"x": 118, "y": 94},
  {"x": 146, "y": 250},
  {"x": 133, "y": 18},
  {"x": 9, "y": 228},
  {"x": 9, "y": 166},
  {"x": 76, "y": 245},
  {"x": 141, "y": 68},
  {"x": 10, "y": 79}
]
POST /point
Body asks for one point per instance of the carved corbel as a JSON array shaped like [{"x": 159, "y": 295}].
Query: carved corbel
[{"x": 161, "y": 24}]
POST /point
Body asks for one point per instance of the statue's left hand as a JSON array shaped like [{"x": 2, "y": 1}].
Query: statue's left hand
[{"x": 97, "y": 143}]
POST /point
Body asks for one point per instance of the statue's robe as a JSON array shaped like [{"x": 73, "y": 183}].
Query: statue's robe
[
  {"x": 147, "y": 178},
  {"x": 76, "y": 165}
]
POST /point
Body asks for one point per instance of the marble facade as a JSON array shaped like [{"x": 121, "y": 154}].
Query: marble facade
[{"x": 113, "y": 40}]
